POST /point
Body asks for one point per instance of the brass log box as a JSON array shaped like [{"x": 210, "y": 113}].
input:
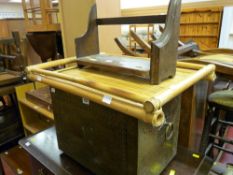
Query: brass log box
[{"x": 109, "y": 142}]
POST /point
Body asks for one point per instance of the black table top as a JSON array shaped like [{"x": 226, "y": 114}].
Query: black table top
[{"x": 43, "y": 147}]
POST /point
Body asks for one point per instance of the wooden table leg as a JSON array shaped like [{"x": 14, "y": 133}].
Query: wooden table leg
[{"x": 193, "y": 107}]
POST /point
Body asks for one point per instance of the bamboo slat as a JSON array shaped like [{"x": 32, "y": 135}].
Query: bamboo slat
[
  {"x": 125, "y": 86},
  {"x": 189, "y": 65},
  {"x": 52, "y": 64},
  {"x": 199, "y": 66}
]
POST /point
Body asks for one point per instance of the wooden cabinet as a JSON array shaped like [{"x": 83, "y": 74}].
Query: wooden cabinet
[
  {"x": 4, "y": 30},
  {"x": 201, "y": 25},
  {"x": 15, "y": 161},
  {"x": 40, "y": 16},
  {"x": 9, "y": 25},
  {"x": 35, "y": 118},
  {"x": 200, "y": 21}
]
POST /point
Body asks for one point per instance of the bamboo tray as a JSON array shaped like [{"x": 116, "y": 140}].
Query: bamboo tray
[{"x": 130, "y": 95}]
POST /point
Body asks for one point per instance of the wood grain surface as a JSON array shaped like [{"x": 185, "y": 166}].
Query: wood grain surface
[{"x": 223, "y": 62}]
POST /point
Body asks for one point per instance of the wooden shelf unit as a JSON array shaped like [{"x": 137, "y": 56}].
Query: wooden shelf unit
[
  {"x": 202, "y": 26},
  {"x": 40, "y": 15},
  {"x": 34, "y": 117},
  {"x": 37, "y": 108}
]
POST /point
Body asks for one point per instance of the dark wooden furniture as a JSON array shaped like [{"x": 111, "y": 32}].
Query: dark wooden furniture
[
  {"x": 10, "y": 54},
  {"x": 51, "y": 49},
  {"x": 15, "y": 161},
  {"x": 218, "y": 120},
  {"x": 48, "y": 159},
  {"x": 193, "y": 107},
  {"x": 224, "y": 71},
  {"x": 162, "y": 64},
  {"x": 10, "y": 123}
]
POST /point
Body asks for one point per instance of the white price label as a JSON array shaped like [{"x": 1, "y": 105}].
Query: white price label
[
  {"x": 38, "y": 78},
  {"x": 86, "y": 101},
  {"x": 27, "y": 144},
  {"x": 109, "y": 61},
  {"x": 53, "y": 90},
  {"x": 107, "y": 99}
]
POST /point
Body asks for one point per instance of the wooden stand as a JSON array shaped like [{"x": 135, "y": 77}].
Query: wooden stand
[{"x": 163, "y": 52}]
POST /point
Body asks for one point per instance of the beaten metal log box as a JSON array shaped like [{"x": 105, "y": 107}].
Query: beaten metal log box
[{"x": 109, "y": 142}]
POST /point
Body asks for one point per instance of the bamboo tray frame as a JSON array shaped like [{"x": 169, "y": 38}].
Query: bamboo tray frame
[{"x": 136, "y": 98}]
